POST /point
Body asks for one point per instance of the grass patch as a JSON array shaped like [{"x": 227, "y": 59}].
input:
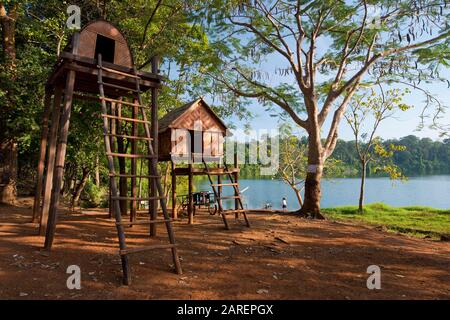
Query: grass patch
[{"x": 416, "y": 221}]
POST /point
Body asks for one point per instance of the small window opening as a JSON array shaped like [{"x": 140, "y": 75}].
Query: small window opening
[
  {"x": 106, "y": 47},
  {"x": 196, "y": 141}
]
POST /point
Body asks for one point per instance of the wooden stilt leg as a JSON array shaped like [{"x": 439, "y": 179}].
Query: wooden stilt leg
[
  {"x": 236, "y": 180},
  {"x": 42, "y": 154},
  {"x": 219, "y": 189},
  {"x": 191, "y": 200},
  {"x": 112, "y": 129},
  {"x": 53, "y": 139},
  {"x": 60, "y": 159},
  {"x": 154, "y": 134},
  {"x": 133, "y": 204},
  {"x": 174, "y": 192}
]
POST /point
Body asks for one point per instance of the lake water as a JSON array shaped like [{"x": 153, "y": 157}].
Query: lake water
[{"x": 433, "y": 191}]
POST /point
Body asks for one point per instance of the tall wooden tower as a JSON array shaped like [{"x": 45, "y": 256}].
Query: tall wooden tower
[{"x": 98, "y": 66}]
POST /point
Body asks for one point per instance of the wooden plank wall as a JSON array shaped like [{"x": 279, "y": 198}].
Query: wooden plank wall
[{"x": 88, "y": 38}]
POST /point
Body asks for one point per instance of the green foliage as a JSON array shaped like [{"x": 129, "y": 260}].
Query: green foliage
[
  {"x": 419, "y": 157},
  {"x": 370, "y": 109},
  {"x": 265, "y": 45},
  {"x": 163, "y": 28},
  {"x": 416, "y": 221},
  {"x": 94, "y": 196}
]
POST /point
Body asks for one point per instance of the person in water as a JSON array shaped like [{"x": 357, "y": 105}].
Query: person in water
[{"x": 284, "y": 204}]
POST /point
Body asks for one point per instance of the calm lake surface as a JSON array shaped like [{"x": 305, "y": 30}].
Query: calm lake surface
[{"x": 433, "y": 191}]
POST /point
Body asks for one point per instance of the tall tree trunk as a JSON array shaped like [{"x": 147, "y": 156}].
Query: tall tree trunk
[
  {"x": 311, "y": 204},
  {"x": 166, "y": 186},
  {"x": 8, "y": 146},
  {"x": 363, "y": 182},
  {"x": 79, "y": 188},
  {"x": 8, "y": 23},
  {"x": 8, "y": 171},
  {"x": 97, "y": 171}
]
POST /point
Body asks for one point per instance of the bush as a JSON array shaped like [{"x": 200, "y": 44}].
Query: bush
[{"x": 94, "y": 197}]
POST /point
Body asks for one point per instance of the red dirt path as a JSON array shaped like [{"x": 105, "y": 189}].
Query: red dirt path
[{"x": 280, "y": 257}]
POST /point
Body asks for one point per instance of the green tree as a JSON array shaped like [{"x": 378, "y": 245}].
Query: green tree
[
  {"x": 366, "y": 108},
  {"x": 328, "y": 50},
  {"x": 293, "y": 162}
]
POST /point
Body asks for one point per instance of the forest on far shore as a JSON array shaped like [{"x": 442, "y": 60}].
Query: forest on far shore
[{"x": 422, "y": 156}]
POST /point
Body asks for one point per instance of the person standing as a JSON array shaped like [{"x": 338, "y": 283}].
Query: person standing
[{"x": 284, "y": 204}]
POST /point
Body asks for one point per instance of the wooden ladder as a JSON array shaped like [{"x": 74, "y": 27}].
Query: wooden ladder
[
  {"x": 219, "y": 197},
  {"x": 153, "y": 175}
]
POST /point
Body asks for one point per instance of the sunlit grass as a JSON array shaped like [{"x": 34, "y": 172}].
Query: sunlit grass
[{"x": 414, "y": 220}]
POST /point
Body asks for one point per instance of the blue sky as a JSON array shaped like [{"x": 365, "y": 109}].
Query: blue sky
[{"x": 403, "y": 123}]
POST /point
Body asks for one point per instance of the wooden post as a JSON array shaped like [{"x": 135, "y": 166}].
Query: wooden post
[
  {"x": 174, "y": 192},
  {"x": 121, "y": 148},
  {"x": 112, "y": 130},
  {"x": 219, "y": 188},
  {"x": 61, "y": 151},
  {"x": 236, "y": 180},
  {"x": 153, "y": 205},
  {"x": 60, "y": 159},
  {"x": 54, "y": 127},
  {"x": 133, "y": 206},
  {"x": 191, "y": 200},
  {"x": 42, "y": 153}
]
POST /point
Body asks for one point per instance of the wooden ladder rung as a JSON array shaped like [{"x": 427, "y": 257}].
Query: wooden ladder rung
[
  {"x": 146, "y": 221},
  {"x": 233, "y": 211},
  {"x": 224, "y": 184},
  {"x": 121, "y": 102},
  {"x": 229, "y": 197},
  {"x": 125, "y": 119},
  {"x": 119, "y": 72},
  {"x": 142, "y": 249},
  {"x": 218, "y": 173},
  {"x": 117, "y": 87},
  {"x": 136, "y": 199},
  {"x": 142, "y": 211},
  {"x": 121, "y": 175},
  {"x": 126, "y": 155},
  {"x": 129, "y": 137}
]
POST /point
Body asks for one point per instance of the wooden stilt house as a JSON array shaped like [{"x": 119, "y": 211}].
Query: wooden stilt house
[{"x": 194, "y": 134}]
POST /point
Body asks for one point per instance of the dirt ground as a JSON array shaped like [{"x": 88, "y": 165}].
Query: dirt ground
[{"x": 280, "y": 257}]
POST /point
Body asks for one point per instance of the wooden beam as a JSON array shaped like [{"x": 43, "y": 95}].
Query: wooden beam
[
  {"x": 42, "y": 154},
  {"x": 184, "y": 171},
  {"x": 236, "y": 180},
  {"x": 54, "y": 128},
  {"x": 134, "y": 150},
  {"x": 60, "y": 160},
  {"x": 93, "y": 62},
  {"x": 219, "y": 189},
  {"x": 112, "y": 132},
  {"x": 174, "y": 192},
  {"x": 191, "y": 200},
  {"x": 154, "y": 134}
]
